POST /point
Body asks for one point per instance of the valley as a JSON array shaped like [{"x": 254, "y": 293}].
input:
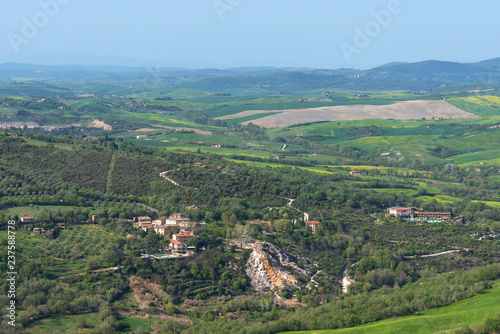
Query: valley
[{"x": 226, "y": 202}]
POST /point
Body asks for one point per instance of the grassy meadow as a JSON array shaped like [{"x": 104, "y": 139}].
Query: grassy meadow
[{"x": 471, "y": 312}]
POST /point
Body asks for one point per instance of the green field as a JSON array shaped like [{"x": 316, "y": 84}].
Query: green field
[
  {"x": 472, "y": 312},
  {"x": 278, "y": 165},
  {"x": 484, "y": 106},
  {"x": 62, "y": 323},
  {"x": 70, "y": 322}
]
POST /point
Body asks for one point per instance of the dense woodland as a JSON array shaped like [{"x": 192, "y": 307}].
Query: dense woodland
[{"x": 115, "y": 179}]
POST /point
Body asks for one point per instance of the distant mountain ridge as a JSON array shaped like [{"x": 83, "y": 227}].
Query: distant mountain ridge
[
  {"x": 417, "y": 68},
  {"x": 419, "y": 76},
  {"x": 430, "y": 65}
]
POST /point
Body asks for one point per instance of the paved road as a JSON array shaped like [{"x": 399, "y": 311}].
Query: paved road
[{"x": 437, "y": 254}]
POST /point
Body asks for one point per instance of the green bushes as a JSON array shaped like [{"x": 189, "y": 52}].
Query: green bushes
[{"x": 364, "y": 308}]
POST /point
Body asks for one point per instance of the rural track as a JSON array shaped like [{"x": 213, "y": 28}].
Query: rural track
[
  {"x": 109, "y": 181},
  {"x": 147, "y": 207},
  {"x": 163, "y": 175},
  {"x": 289, "y": 204},
  {"x": 94, "y": 271},
  {"x": 431, "y": 255}
]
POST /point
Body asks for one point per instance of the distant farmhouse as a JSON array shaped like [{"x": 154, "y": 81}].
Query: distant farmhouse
[
  {"x": 182, "y": 236},
  {"x": 161, "y": 225},
  {"x": 413, "y": 214},
  {"x": 27, "y": 220},
  {"x": 399, "y": 211},
  {"x": 38, "y": 230},
  {"x": 311, "y": 226},
  {"x": 177, "y": 246}
]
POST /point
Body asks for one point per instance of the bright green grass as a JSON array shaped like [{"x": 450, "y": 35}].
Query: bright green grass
[
  {"x": 451, "y": 199},
  {"x": 42, "y": 143},
  {"x": 440, "y": 198},
  {"x": 491, "y": 203},
  {"x": 390, "y": 141},
  {"x": 326, "y": 128},
  {"x": 485, "y": 120},
  {"x": 250, "y": 118},
  {"x": 382, "y": 170},
  {"x": 319, "y": 158},
  {"x": 265, "y": 103},
  {"x": 158, "y": 119},
  {"x": 422, "y": 185},
  {"x": 472, "y": 311},
  {"x": 409, "y": 192},
  {"x": 409, "y": 147},
  {"x": 396, "y": 96},
  {"x": 277, "y": 165},
  {"x": 61, "y": 323},
  {"x": 483, "y": 106},
  {"x": 431, "y": 190},
  {"x": 183, "y": 147},
  {"x": 477, "y": 140},
  {"x": 187, "y": 105},
  {"x": 284, "y": 102},
  {"x": 473, "y": 159},
  {"x": 191, "y": 137},
  {"x": 135, "y": 322},
  {"x": 487, "y": 162}
]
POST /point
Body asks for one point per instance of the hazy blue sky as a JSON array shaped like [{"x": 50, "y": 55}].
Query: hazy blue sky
[{"x": 229, "y": 33}]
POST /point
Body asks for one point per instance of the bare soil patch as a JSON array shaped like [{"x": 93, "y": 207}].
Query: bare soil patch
[
  {"x": 251, "y": 113},
  {"x": 146, "y": 292},
  {"x": 145, "y": 130},
  {"x": 407, "y": 110},
  {"x": 99, "y": 125}
]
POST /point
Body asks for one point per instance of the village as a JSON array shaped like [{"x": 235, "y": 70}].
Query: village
[
  {"x": 177, "y": 227},
  {"x": 178, "y": 245},
  {"x": 164, "y": 226}
]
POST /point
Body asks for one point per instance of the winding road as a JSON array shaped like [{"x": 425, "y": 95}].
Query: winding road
[
  {"x": 289, "y": 204},
  {"x": 163, "y": 174},
  {"x": 431, "y": 255}
]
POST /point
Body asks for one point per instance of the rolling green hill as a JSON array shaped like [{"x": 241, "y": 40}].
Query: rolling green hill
[{"x": 471, "y": 312}]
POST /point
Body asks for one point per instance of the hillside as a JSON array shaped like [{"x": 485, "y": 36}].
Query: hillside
[
  {"x": 470, "y": 312},
  {"x": 249, "y": 200},
  {"x": 411, "y": 110}
]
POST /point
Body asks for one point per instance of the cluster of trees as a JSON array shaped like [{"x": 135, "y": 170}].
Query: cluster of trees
[
  {"x": 353, "y": 310},
  {"x": 353, "y": 227},
  {"x": 39, "y": 296},
  {"x": 48, "y": 103},
  {"x": 490, "y": 326},
  {"x": 355, "y": 132},
  {"x": 209, "y": 273}
]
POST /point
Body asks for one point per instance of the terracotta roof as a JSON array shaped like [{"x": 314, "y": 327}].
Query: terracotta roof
[
  {"x": 175, "y": 242},
  {"x": 184, "y": 234},
  {"x": 312, "y": 222}
]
